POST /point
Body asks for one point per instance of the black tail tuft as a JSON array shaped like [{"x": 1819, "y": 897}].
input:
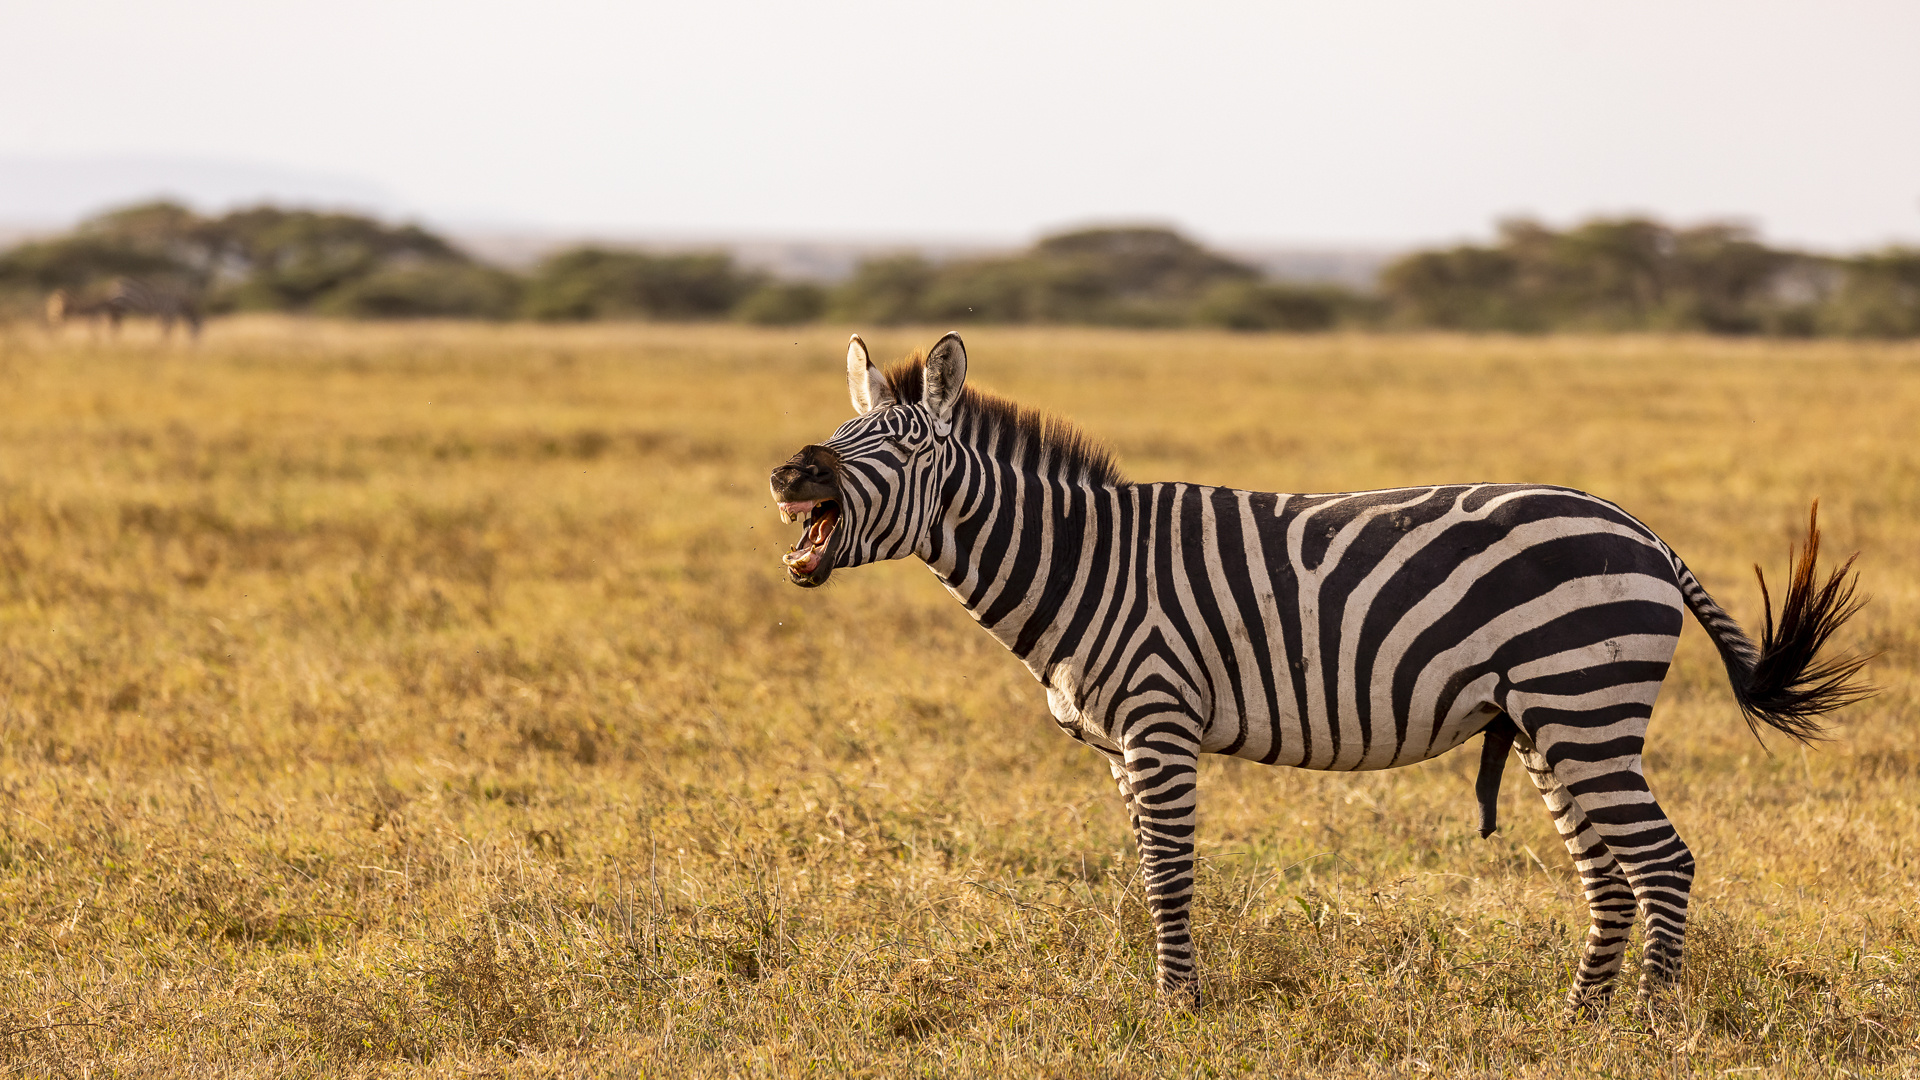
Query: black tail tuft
[{"x": 1790, "y": 688}]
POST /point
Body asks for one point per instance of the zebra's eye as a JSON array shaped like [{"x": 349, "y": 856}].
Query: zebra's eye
[{"x": 898, "y": 444}]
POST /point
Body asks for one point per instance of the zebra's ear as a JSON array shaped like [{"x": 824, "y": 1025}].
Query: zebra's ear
[
  {"x": 865, "y": 384},
  {"x": 946, "y": 377}
]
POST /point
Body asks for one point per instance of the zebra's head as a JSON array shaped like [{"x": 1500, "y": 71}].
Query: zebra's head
[{"x": 867, "y": 493}]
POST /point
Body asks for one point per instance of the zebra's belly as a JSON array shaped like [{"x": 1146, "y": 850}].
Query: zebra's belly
[
  {"x": 1082, "y": 725},
  {"x": 1292, "y": 744}
]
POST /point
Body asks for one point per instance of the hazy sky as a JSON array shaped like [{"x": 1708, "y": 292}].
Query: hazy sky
[{"x": 1335, "y": 122}]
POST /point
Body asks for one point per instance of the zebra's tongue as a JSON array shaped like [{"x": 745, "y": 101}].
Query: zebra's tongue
[{"x": 812, "y": 546}]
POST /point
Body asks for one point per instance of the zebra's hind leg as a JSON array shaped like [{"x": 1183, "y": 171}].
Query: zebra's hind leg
[
  {"x": 1658, "y": 864},
  {"x": 1610, "y": 898}
]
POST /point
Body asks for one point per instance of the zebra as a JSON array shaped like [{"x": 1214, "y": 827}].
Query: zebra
[
  {"x": 126, "y": 296},
  {"x": 1339, "y": 631}
]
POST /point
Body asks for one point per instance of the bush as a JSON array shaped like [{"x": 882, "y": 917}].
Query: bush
[
  {"x": 426, "y": 290},
  {"x": 264, "y": 259},
  {"x": 291, "y": 260},
  {"x": 1462, "y": 288},
  {"x": 598, "y": 283},
  {"x": 76, "y": 263},
  {"x": 1141, "y": 263},
  {"x": 783, "y": 304},
  {"x": 1240, "y": 305},
  {"x": 1878, "y": 296},
  {"x": 1605, "y": 275},
  {"x": 885, "y": 291},
  {"x": 1121, "y": 277},
  {"x": 1015, "y": 290}
]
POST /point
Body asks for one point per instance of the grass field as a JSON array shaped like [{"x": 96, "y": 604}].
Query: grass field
[{"x": 383, "y": 699}]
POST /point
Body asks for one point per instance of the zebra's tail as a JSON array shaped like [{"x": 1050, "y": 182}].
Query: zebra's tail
[{"x": 1782, "y": 682}]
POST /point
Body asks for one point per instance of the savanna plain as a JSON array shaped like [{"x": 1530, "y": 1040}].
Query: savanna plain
[{"x": 429, "y": 699}]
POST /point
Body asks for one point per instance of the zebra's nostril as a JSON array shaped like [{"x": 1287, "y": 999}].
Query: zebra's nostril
[{"x": 797, "y": 480}]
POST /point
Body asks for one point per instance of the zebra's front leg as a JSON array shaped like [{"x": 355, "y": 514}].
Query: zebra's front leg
[
  {"x": 1160, "y": 755},
  {"x": 1610, "y": 899}
]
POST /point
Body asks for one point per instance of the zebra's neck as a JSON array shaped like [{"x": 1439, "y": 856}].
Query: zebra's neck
[{"x": 1018, "y": 534}]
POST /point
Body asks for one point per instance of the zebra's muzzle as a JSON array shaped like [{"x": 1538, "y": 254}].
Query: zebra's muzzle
[{"x": 805, "y": 490}]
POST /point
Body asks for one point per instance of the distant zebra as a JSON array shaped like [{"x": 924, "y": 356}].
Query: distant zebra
[
  {"x": 126, "y": 297},
  {"x": 1363, "y": 630}
]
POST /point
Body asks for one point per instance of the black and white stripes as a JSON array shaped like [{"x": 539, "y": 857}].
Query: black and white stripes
[
  {"x": 127, "y": 297},
  {"x": 1363, "y": 630}
]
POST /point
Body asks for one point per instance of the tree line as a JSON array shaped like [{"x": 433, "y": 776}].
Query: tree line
[{"x": 1608, "y": 274}]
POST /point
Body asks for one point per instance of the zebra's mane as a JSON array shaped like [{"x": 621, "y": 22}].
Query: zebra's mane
[{"x": 1076, "y": 456}]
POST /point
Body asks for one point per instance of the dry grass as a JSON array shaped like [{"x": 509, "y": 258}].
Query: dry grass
[{"x": 429, "y": 699}]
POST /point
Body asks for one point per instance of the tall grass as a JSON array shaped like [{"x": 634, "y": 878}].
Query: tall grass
[{"x": 430, "y": 697}]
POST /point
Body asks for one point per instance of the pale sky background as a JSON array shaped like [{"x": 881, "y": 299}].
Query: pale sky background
[{"x": 1371, "y": 122}]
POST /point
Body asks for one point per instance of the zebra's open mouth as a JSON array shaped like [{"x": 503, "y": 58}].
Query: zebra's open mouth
[{"x": 811, "y": 550}]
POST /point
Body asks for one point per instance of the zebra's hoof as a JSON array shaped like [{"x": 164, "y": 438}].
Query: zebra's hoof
[
  {"x": 1586, "y": 1007},
  {"x": 1657, "y": 1004}
]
